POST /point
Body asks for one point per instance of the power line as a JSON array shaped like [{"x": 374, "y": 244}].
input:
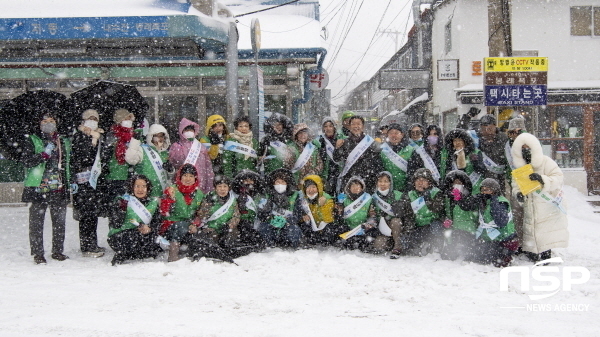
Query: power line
[{"x": 266, "y": 9}]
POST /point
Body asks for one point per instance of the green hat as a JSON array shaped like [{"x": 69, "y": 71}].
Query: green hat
[{"x": 347, "y": 114}]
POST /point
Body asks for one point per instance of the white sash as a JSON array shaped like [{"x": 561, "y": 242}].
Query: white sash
[
  {"x": 278, "y": 146},
  {"x": 222, "y": 210},
  {"x": 157, "y": 165},
  {"x": 556, "y": 201},
  {"x": 250, "y": 204},
  {"x": 489, "y": 227},
  {"x": 491, "y": 165},
  {"x": 382, "y": 204},
  {"x": 394, "y": 157},
  {"x": 194, "y": 153},
  {"x": 356, "y": 205},
  {"x": 417, "y": 204},
  {"x": 240, "y": 148},
  {"x": 356, "y": 153},
  {"x": 475, "y": 138},
  {"x": 304, "y": 157},
  {"x": 313, "y": 223},
  {"x": 329, "y": 148},
  {"x": 508, "y": 154},
  {"x": 138, "y": 208},
  {"x": 474, "y": 177},
  {"x": 384, "y": 228},
  {"x": 428, "y": 161}
]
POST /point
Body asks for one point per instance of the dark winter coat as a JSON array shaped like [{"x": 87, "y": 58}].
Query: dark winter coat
[
  {"x": 472, "y": 155},
  {"x": 495, "y": 149},
  {"x": 366, "y": 166},
  {"x": 84, "y": 154}
]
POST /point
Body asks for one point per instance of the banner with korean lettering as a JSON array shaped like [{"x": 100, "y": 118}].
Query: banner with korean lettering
[
  {"x": 515, "y": 64},
  {"x": 515, "y": 81},
  {"x": 515, "y": 95}
]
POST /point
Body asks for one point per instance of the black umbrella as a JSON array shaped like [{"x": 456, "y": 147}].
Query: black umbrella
[
  {"x": 21, "y": 116},
  {"x": 106, "y": 97}
]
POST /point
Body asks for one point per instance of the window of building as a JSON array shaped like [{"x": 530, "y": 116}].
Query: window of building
[
  {"x": 171, "y": 109},
  {"x": 560, "y": 129},
  {"x": 448, "y": 37},
  {"x": 585, "y": 21}
]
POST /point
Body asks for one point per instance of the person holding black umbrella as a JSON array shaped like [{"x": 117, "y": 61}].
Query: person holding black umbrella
[
  {"x": 85, "y": 167},
  {"x": 46, "y": 157}
]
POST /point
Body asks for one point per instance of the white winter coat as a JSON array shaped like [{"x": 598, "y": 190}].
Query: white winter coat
[
  {"x": 544, "y": 225},
  {"x": 135, "y": 153}
]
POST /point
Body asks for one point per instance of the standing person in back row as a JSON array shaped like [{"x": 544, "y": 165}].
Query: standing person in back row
[
  {"x": 273, "y": 149},
  {"x": 326, "y": 143},
  {"x": 46, "y": 157},
  {"x": 188, "y": 150},
  {"x": 216, "y": 134},
  {"x": 360, "y": 153}
]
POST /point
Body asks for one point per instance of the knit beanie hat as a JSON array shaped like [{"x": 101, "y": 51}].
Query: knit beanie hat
[
  {"x": 299, "y": 127},
  {"x": 189, "y": 168},
  {"x": 90, "y": 113},
  {"x": 492, "y": 184},
  {"x": 395, "y": 126},
  {"x": 516, "y": 123},
  {"x": 487, "y": 120},
  {"x": 121, "y": 115},
  {"x": 221, "y": 179}
]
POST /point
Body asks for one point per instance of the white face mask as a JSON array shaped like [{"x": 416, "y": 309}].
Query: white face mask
[
  {"x": 280, "y": 188},
  {"x": 383, "y": 192},
  {"x": 189, "y": 134},
  {"x": 312, "y": 196},
  {"x": 127, "y": 124},
  {"x": 91, "y": 124}
]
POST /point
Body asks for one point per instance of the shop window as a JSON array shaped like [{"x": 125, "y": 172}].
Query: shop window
[
  {"x": 561, "y": 135},
  {"x": 171, "y": 109},
  {"x": 585, "y": 21},
  {"x": 168, "y": 83}
]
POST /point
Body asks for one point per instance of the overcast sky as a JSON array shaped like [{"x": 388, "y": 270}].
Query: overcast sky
[{"x": 355, "y": 48}]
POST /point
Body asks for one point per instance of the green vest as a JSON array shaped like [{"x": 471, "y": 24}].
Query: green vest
[
  {"x": 234, "y": 162},
  {"x": 145, "y": 167},
  {"x": 397, "y": 195},
  {"x": 505, "y": 231},
  {"x": 360, "y": 216},
  {"x": 277, "y": 162},
  {"x": 219, "y": 223},
  {"x": 131, "y": 215},
  {"x": 463, "y": 220},
  {"x": 424, "y": 216},
  {"x": 33, "y": 176},
  {"x": 117, "y": 171},
  {"x": 182, "y": 211},
  {"x": 398, "y": 175},
  {"x": 251, "y": 215}
]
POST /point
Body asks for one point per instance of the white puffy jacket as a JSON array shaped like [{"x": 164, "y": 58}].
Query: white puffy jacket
[{"x": 544, "y": 225}]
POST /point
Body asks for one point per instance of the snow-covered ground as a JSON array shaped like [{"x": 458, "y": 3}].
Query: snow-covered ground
[{"x": 284, "y": 293}]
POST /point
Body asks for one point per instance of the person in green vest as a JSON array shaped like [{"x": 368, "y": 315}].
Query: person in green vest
[
  {"x": 461, "y": 218},
  {"x": 305, "y": 153},
  {"x": 356, "y": 212},
  {"x": 345, "y": 132},
  {"x": 273, "y": 149},
  {"x": 461, "y": 154},
  {"x": 152, "y": 159},
  {"x": 214, "y": 138},
  {"x": 416, "y": 133},
  {"x": 319, "y": 227},
  {"x": 398, "y": 157},
  {"x": 241, "y": 149},
  {"x": 134, "y": 221},
  {"x": 178, "y": 206},
  {"x": 279, "y": 212},
  {"x": 427, "y": 204},
  {"x": 392, "y": 233},
  {"x": 218, "y": 218},
  {"x": 248, "y": 186},
  {"x": 116, "y": 170},
  {"x": 46, "y": 156},
  {"x": 326, "y": 143},
  {"x": 497, "y": 240}
]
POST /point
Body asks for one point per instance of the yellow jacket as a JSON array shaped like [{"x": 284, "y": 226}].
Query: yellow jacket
[
  {"x": 322, "y": 210},
  {"x": 213, "y": 150}
]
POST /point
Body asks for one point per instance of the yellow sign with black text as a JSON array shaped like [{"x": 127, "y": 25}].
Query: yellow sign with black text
[{"x": 493, "y": 64}]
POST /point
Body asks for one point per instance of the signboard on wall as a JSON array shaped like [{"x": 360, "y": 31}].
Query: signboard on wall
[
  {"x": 516, "y": 81},
  {"x": 447, "y": 70},
  {"x": 390, "y": 79}
]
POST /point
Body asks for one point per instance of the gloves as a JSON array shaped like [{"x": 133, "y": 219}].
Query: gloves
[
  {"x": 473, "y": 157},
  {"x": 74, "y": 188},
  {"x": 214, "y": 138},
  {"x": 427, "y": 195},
  {"x": 536, "y": 176},
  {"x": 456, "y": 195},
  {"x": 520, "y": 197},
  {"x": 447, "y": 223},
  {"x": 167, "y": 166}
]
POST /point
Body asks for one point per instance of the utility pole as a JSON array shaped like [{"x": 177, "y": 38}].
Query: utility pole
[
  {"x": 346, "y": 83},
  {"x": 395, "y": 33},
  {"x": 499, "y": 36}
]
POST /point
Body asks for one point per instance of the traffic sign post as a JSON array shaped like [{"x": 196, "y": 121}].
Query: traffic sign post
[{"x": 516, "y": 81}]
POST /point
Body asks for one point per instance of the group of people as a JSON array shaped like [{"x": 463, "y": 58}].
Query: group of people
[{"x": 225, "y": 194}]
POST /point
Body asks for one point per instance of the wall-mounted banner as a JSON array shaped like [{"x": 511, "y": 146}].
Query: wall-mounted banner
[
  {"x": 516, "y": 64},
  {"x": 515, "y": 95}
]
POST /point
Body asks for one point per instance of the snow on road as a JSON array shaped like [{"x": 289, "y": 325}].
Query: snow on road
[{"x": 283, "y": 293}]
